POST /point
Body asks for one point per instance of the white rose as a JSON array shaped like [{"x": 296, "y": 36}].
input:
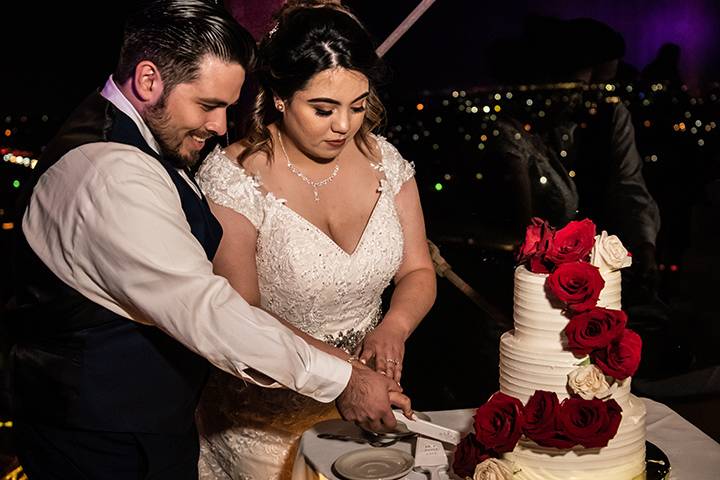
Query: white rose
[
  {"x": 493, "y": 469},
  {"x": 589, "y": 381},
  {"x": 608, "y": 253}
]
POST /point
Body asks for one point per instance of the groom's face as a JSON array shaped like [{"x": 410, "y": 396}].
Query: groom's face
[{"x": 191, "y": 112}]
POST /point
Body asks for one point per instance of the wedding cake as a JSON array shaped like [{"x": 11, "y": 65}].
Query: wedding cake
[{"x": 564, "y": 409}]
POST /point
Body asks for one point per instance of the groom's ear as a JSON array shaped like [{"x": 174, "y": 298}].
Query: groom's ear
[{"x": 147, "y": 83}]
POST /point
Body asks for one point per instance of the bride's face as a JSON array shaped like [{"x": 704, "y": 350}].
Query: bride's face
[{"x": 321, "y": 119}]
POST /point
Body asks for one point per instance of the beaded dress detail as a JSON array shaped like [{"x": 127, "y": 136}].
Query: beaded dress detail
[{"x": 248, "y": 432}]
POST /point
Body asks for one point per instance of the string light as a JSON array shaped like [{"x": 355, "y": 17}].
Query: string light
[
  {"x": 540, "y": 102},
  {"x": 443, "y": 112},
  {"x": 18, "y": 157}
]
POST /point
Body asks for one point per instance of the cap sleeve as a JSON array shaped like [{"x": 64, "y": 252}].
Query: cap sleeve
[
  {"x": 397, "y": 170},
  {"x": 226, "y": 183}
]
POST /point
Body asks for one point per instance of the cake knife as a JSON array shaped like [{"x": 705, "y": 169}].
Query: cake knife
[{"x": 428, "y": 429}]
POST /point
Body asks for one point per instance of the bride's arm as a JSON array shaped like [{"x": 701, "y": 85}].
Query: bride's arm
[
  {"x": 235, "y": 260},
  {"x": 414, "y": 292}
]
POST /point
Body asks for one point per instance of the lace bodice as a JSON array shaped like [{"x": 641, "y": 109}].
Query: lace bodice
[
  {"x": 252, "y": 433},
  {"x": 304, "y": 276}
]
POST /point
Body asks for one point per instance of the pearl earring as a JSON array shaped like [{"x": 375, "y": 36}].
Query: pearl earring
[{"x": 280, "y": 107}]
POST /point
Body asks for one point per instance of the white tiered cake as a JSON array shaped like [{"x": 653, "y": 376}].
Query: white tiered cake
[
  {"x": 564, "y": 410},
  {"x": 532, "y": 357}
]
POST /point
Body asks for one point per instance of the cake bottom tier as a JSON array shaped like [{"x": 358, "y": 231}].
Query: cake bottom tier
[
  {"x": 622, "y": 459},
  {"x": 526, "y": 367}
]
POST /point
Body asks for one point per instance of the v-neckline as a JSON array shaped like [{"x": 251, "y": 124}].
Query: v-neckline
[
  {"x": 270, "y": 195},
  {"x": 330, "y": 240}
]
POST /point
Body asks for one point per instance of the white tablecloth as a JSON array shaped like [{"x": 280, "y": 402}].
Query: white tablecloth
[{"x": 692, "y": 454}]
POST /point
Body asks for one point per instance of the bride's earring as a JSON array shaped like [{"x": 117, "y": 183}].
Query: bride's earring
[{"x": 280, "y": 106}]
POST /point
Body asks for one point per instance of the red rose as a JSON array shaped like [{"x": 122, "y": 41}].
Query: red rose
[
  {"x": 594, "y": 329},
  {"x": 541, "y": 417},
  {"x": 538, "y": 237},
  {"x": 539, "y": 414},
  {"x": 572, "y": 243},
  {"x": 577, "y": 284},
  {"x": 538, "y": 265},
  {"x": 499, "y": 422},
  {"x": 591, "y": 423},
  {"x": 468, "y": 454},
  {"x": 621, "y": 358}
]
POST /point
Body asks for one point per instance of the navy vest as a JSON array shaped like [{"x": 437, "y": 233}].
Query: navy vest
[{"x": 75, "y": 363}]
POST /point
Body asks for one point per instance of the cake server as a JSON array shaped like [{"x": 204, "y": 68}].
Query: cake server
[{"x": 430, "y": 457}]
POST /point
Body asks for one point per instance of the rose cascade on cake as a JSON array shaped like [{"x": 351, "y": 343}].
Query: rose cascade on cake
[{"x": 564, "y": 409}]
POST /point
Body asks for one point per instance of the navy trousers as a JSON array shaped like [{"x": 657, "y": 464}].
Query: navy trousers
[{"x": 49, "y": 453}]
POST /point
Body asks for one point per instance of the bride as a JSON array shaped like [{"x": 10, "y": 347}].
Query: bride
[{"x": 319, "y": 216}]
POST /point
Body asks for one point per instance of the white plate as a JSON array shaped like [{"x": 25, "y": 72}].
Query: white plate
[
  {"x": 374, "y": 464},
  {"x": 401, "y": 431}
]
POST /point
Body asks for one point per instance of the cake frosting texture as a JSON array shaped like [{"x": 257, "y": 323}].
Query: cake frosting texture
[{"x": 533, "y": 357}]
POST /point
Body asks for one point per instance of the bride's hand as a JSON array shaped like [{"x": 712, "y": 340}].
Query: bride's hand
[{"x": 386, "y": 344}]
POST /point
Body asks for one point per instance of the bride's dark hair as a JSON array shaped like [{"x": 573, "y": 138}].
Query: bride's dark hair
[{"x": 310, "y": 37}]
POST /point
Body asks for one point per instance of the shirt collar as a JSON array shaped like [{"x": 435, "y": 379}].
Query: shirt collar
[{"x": 113, "y": 94}]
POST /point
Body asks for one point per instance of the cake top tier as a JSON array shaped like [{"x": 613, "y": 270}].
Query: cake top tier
[
  {"x": 546, "y": 248},
  {"x": 539, "y": 317}
]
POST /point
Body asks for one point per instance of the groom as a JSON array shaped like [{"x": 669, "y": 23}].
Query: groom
[{"x": 118, "y": 304}]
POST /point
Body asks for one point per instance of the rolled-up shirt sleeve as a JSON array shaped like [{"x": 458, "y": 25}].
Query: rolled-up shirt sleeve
[{"x": 107, "y": 220}]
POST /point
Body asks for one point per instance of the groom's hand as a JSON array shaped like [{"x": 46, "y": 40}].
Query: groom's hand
[{"x": 368, "y": 399}]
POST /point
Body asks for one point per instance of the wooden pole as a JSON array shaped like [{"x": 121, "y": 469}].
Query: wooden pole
[
  {"x": 443, "y": 269},
  {"x": 403, "y": 27}
]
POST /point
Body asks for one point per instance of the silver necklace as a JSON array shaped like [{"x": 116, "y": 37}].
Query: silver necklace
[{"x": 315, "y": 185}]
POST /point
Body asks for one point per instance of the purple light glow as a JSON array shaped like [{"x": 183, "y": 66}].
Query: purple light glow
[{"x": 647, "y": 25}]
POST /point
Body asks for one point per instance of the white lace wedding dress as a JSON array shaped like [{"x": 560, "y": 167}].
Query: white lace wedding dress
[{"x": 248, "y": 432}]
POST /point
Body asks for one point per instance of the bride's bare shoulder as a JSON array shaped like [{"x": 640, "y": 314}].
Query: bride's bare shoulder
[
  {"x": 372, "y": 149},
  {"x": 254, "y": 163}
]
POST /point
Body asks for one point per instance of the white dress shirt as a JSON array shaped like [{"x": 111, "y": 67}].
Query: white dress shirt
[{"x": 107, "y": 220}]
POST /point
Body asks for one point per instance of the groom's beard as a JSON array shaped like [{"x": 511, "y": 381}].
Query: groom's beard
[{"x": 170, "y": 138}]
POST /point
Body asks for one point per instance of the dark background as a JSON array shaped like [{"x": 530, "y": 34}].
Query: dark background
[{"x": 54, "y": 55}]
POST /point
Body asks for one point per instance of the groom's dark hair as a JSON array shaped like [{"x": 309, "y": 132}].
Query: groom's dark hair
[{"x": 177, "y": 34}]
